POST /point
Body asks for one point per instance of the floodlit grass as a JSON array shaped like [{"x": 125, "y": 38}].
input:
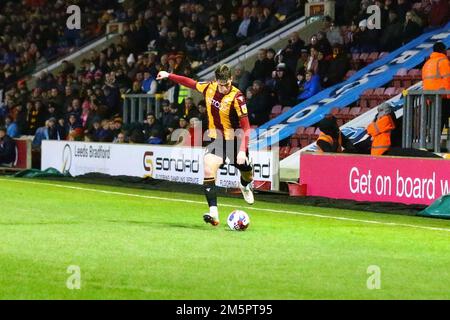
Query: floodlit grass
[{"x": 130, "y": 247}]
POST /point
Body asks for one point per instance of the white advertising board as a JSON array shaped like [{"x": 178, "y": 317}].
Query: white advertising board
[{"x": 179, "y": 164}]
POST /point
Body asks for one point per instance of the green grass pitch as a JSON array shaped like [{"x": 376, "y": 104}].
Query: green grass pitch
[{"x": 141, "y": 244}]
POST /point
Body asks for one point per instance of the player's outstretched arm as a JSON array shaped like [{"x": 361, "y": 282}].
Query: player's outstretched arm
[{"x": 184, "y": 81}]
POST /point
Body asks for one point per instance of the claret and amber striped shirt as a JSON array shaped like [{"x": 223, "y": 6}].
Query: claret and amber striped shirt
[{"x": 224, "y": 110}]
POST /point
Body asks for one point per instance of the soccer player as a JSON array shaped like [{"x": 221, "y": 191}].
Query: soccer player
[{"x": 227, "y": 112}]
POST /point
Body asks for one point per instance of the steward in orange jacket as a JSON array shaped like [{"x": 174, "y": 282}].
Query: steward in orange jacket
[
  {"x": 436, "y": 76},
  {"x": 331, "y": 138},
  {"x": 436, "y": 71},
  {"x": 380, "y": 130}
]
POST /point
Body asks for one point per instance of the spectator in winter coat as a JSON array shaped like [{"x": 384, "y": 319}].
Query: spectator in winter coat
[
  {"x": 338, "y": 67},
  {"x": 322, "y": 69},
  {"x": 48, "y": 132},
  {"x": 12, "y": 129},
  {"x": 167, "y": 117},
  {"x": 411, "y": 28},
  {"x": 334, "y": 35},
  {"x": 392, "y": 33},
  {"x": 149, "y": 85},
  {"x": 259, "y": 104},
  {"x": 312, "y": 62},
  {"x": 293, "y": 50},
  {"x": 285, "y": 86},
  {"x": 311, "y": 87},
  {"x": 261, "y": 70},
  {"x": 241, "y": 78},
  {"x": 7, "y": 148},
  {"x": 151, "y": 126}
]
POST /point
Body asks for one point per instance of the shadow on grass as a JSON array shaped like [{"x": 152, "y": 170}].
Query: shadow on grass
[{"x": 199, "y": 226}]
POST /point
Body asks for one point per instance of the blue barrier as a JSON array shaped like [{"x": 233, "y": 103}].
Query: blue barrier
[{"x": 375, "y": 75}]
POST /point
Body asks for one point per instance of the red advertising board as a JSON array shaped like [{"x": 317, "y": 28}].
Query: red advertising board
[{"x": 375, "y": 179}]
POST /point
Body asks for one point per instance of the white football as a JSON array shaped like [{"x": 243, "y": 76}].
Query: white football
[{"x": 238, "y": 220}]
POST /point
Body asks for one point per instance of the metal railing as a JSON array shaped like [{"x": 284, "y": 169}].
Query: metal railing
[
  {"x": 235, "y": 55},
  {"x": 137, "y": 106},
  {"x": 422, "y": 117}
]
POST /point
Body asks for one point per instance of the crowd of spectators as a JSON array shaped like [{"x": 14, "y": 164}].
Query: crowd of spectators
[
  {"x": 84, "y": 103},
  {"x": 302, "y": 69},
  {"x": 34, "y": 32}
]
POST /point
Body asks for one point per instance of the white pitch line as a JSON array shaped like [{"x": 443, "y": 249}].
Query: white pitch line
[{"x": 231, "y": 206}]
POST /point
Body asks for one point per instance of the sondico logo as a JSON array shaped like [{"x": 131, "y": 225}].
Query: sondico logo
[
  {"x": 148, "y": 163},
  {"x": 260, "y": 170}
]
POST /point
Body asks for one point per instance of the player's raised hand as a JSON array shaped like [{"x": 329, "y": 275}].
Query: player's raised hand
[
  {"x": 241, "y": 158},
  {"x": 162, "y": 75}
]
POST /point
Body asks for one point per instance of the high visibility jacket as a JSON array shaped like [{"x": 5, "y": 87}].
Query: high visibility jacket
[
  {"x": 380, "y": 130},
  {"x": 183, "y": 94},
  {"x": 335, "y": 145},
  {"x": 436, "y": 72}
]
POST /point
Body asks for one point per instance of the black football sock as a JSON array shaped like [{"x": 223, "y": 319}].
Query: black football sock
[
  {"x": 210, "y": 191},
  {"x": 246, "y": 177}
]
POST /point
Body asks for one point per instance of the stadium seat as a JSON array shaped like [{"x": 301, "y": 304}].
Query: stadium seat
[
  {"x": 377, "y": 97},
  {"x": 355, "y": 62},
  {"x": 347, "y": 116},
  {"x": 354, "y": 112},
  {"x": 293, "y": 150},
  {"x": 411, "y": 77},
  {"x": 284, "y": 152},
  {"x": 382, "y": 54},
  {"x": 305, "y": 137},
  {"x": 315, "y": 135},
  {"x": 397, "y": 81},
  {"x": 363, "y": 58},
  {"x": 294, "y": 142},
  {"x": 334, "y": 111},
  {"x": 286, "y": 109},
  {"x": 295, "y": 138},
  {"x": 390, "y": 92},
  {"x": 355, "y": 56},
  {"x": 415, "y": 75},
  {"x": 349, "y": 74},
  {"x": 299, "y": 131},
  {"x": 364, "y": 98},
  {"x": 277, "y": 108},
  {"x": 342, "y": 116},
  {"x": 372, "y": 57},
  {"x": 364, "y": 110},
  {"x": 276, "y": 111},
  {"x": 399, "y": 90}
]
